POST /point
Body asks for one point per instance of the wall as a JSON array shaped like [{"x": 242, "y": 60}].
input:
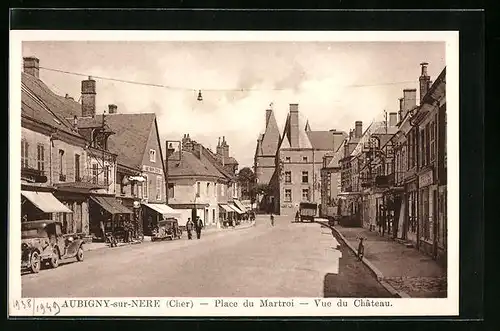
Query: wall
[
  {"x": 296, "y": 166},
  {"x": 33, "y": 139},
  {"x": 154, "y": 169},
  {"x": 265, "y": 166}
]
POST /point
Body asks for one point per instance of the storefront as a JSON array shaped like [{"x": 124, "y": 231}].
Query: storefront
[
  {"x": 36, "y": 205},
  {"x": 113, "y": 215},
  {"x": 225, "y": 213},
  {"x": 411, "y": 227},
  {"x": 154, "y": 212},
  {"x": 427, "y": 210}
]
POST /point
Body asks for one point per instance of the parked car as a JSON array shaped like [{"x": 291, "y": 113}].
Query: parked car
[
  {"x": 307, "y": 211},
  {"x": 43, "y": 241},
  {"x": 167, "y": 229}
]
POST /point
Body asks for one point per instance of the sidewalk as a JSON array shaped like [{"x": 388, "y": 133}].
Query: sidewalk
[
  {"x": 99, "y": 245},
  {"x": 406, "y": 269}
]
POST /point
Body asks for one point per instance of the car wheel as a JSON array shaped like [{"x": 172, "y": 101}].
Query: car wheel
[
  {"x": 54, "y": 260},
  {"x": 35, "y": 262},
  {"x": 79, "y": 254}
]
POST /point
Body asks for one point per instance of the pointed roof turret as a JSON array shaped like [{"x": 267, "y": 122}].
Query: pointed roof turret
[{"x": 308, "y": 127}]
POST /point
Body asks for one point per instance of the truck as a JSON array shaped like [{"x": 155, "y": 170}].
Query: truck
[{"x": 307, "y": 211}]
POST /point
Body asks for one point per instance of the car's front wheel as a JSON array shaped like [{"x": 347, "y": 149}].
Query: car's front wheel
[
  {"x": 79, "y": 254},
  {"x": 35, "y": 262},
  {"x": 54, "y": 260}
]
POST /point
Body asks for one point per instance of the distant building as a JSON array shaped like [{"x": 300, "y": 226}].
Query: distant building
[
  {"x": 331, "y": 182},
  {"x": 291, "y": 163}
]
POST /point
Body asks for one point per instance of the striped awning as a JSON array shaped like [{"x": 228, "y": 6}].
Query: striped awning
[
  {"x": 46, "y": 202},
  {"x": 164, "y": 209},
  {"x": 235, "y": 209},
  {"x": 226, "y": 207},
  {"x": 240, "y": 205}
]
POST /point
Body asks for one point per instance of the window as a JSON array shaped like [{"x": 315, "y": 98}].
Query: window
[
  {"x": 215, "y": 189},
  {"x": 305, "y": 194},
  {"x": 198, "y": 184},
  {"x": 213, "y": 215},
  {"x": 139, "y": 190},
  {"x": 77, "y": 168},
  {"x": 305, "y": 177},
  {"x": 304, "y": 158},
  {"x": 432, "y": 142},
  {"x": 95, "y": 173},
  {"x": 40, "y": 157},
  {"x": 288, "y": 176},
  {"x": 24, "y": 154},
  {"x": 287, "y": 159},
  {"x": 132, "y": 189},
  {"x": 152, "y": 155},
  {"x": 145, "y": 188},
  {"x": 171, "y": 190},
  {"x": 158, "y": 187},
  {"x": 288, "y": 195},
  {"x": 208, "y": 189},
  {"x": 223, "y": 190}
]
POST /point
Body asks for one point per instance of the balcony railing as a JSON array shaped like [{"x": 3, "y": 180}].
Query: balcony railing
[
  {"x": 33, "y": 175},
  {"x": 62, "y": 177}
]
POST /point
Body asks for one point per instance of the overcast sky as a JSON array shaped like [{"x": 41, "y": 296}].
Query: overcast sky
[{"x": 334, "y": 83}]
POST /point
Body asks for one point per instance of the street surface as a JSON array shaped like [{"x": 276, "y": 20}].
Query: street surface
[{"x": 287, "y": 260}]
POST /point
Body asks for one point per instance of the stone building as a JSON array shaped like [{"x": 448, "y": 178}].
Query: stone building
[{"x": 299, "y": 159}]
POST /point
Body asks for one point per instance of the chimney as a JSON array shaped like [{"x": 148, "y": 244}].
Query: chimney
[
  {"x": 31, "y": 66},
  {"x": 409, "y": 100},
  {"x": 393, "y": 119},
  {"x": 88, "y": 98},
  {"x": 350, "y": 134},
  {"x": 294, "y": 125},
  {"x": 425, "y": 80},
  {"x": 268, "y": 116},
  {"x": 112, "y": 109},
  {"x": 358, "y": 129},
  {"x": 75, "y": 122},
  {"x": 186, "y": 143},
  {"x": 225, "y": 147}
]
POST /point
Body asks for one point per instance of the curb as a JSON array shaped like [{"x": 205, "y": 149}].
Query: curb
[{"x": 378, "y": 274}]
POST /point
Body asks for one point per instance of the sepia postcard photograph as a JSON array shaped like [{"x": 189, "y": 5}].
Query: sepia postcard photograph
[{"x": 233, "y": 173}]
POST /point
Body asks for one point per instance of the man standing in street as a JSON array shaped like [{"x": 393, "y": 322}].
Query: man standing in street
[
  {"x": 198, "y": 225},
  {"x": 189, "y": 228}
]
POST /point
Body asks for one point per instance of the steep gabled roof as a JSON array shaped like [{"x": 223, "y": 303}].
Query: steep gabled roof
[
  {"x": 39, "y": 103},
  {"x": 326, "y": 140},
  {"x": 191, "y": 165},
  {"x": 304, "y": 141},
  {"x": 271, "y": 138},
  {"x": 131, "y": 135},
  {"x": 339, "y": 153}
]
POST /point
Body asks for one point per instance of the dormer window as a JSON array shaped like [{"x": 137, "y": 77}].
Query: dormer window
[{"x": 152, "y": 155}]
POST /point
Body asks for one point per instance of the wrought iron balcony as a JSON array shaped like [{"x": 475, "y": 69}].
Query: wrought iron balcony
[{"x": 33, "y": 175}]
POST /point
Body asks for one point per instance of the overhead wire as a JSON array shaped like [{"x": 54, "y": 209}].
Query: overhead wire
[{"x": 209, "y": 89}]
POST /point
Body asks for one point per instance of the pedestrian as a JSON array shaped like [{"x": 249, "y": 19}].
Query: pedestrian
[
  {"x": 189, "y": 228},
  {"x": 297, "y": 216},
  {"x": 198, "y": 225},
  {"x": 103, "y": 231},
  {"x": 272, "y": 219}
]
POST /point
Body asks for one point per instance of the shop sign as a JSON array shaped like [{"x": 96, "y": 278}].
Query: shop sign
[
  {"x": 426, "y": 179},
  {"x": 152, "y": 169}
]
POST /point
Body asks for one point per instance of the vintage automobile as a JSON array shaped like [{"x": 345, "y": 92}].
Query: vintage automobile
[
  {"x": 166, "y": 229},
  {"x": 42, "y": 241},
  {"x": 307, "y": 211}
]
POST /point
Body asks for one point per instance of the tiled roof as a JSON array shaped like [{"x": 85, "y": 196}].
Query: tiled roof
[
  {"x": 271, "y": 137},
  {"x": 131, "y": 135},
  {"x": 41, "y": 104},
  {"x": 191, "y": 165},
  {"x": 374, "y": 128},
  {"x": 326, "y": 140},
  {"x": 303, "y": 135},
  {"x": 215, "y": 162}
]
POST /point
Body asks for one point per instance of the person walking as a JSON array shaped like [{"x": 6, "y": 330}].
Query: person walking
[
  {"x": 272, "y": 219},
  {"x": 189, "y": 228},
  {"x": 198, "y": 225}
]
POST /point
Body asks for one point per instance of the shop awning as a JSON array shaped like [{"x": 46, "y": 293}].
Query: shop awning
[
  {"x": 46, "y": 202},
  {"x": 240, "y": 205},
  {"x": 163, "y": 209},
  {"x": 111, "y": 205},
  {"x": 235, "y": 209},
  {"x": 226, "y": 207}
]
